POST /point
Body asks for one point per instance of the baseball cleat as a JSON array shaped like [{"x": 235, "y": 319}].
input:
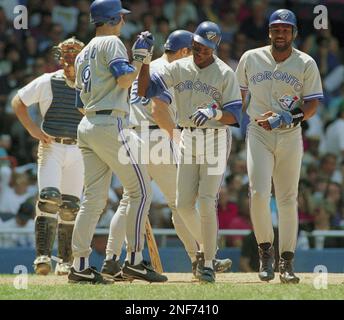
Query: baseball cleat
[
  {"x": 267, "y": 261},
  {"x": 220, "y": 265},
  {"x": 87, "y": 276},
  {"x": 113, "y": 269},
  {"x": 42, "y": 265},
  {"x": 62, "y": 269},
  {"x": 204, "y": 274},
  {"x": 286, "y": 268},
  {"x": 142, "y": 271}
]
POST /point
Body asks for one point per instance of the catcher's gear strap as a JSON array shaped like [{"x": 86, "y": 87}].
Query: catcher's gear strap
[
  {"x": 49, "y": 200},
  {"x": 45, "y": 232},
  {"x": 69, "y": 208},
  {"x": 298, "y": 116}
]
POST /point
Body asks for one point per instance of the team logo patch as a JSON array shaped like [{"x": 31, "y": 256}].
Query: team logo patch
[
  {"x": 284, "y": 15},
  {"x": 287, "y": 102},
  {"x": 210, "y": 35}
]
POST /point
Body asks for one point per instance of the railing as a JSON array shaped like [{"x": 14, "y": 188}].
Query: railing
[{"x": 164, "y": 233}]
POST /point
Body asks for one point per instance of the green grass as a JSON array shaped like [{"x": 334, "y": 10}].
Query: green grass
[{"x": 221, "y": 291}]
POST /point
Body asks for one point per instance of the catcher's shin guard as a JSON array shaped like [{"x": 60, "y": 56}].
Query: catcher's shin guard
[
  {"x": 45, "y": 232},
  {"x": 64, "y": 242}
]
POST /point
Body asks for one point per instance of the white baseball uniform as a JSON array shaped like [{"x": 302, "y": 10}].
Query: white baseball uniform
[
  {"x": 276, "y": 154},
  {"x": 198, "y": 175}
]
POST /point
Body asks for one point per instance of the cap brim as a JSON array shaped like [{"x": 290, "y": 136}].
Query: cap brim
[
  {"x": 281, "y": 22},
  {"x": 124, "y": 11},
  {"x": 206, "y": 43}
]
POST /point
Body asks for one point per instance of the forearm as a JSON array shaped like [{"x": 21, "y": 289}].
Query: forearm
[
  {"x": 309, "y": 108},
  {"x": 125, "y": 81},
  {"x": 228, "y": 118},
  {"x": 143, "y": 80},
  {"x": 20, "y": 110},
  {"x": 162, "y": 117}
]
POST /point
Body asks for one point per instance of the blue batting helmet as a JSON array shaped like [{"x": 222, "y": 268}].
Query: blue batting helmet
[
  {"x": 209, "y": 34},
  {"x": 283, "y": 16},
  {"x": 178, "y": 39},
  {"x": 107, "y": 11}
]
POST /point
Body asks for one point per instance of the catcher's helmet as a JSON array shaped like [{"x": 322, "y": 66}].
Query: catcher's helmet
[
  {"x": 106, "y": 11},
  {"x": 209, "y": 34},
  {"x": 178, "y": 39}
]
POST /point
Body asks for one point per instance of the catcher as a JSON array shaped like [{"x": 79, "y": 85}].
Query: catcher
[{"x": 60, "y": 164}]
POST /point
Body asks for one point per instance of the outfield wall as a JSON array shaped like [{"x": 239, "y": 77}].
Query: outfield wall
[{"x": 175, "y": 259}]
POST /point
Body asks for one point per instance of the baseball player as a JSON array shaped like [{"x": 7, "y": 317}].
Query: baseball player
[
  {"x": 60, "y": 165},
  {"x": 285, "y": 86},
  {"x": 163, "y": 111},
  {"x": 103, "y": 76},
  {"x": 207, "y": 98}
]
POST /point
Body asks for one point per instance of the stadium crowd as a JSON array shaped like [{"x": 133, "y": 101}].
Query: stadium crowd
[{"x": 27, "y": 54}]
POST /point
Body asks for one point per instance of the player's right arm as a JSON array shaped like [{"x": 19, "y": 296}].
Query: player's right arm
[
  {"x": 242, "y": 79},
  {"x": 162, "y": 116},
  {"x": 32, "y": 93}
]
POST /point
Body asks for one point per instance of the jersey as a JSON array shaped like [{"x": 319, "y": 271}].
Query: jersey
[
  {"x": 141, "y": 108},
  {"x": 94, "y": 78},
  {"x": 276, "y": 86},
  {"x": 196, "y": 88}
]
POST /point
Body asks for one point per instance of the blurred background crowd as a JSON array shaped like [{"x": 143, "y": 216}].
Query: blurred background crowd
[{"x": 27, "y": 54}]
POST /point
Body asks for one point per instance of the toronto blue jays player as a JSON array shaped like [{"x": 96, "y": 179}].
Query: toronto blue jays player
[{"x": 285, "y": 87}]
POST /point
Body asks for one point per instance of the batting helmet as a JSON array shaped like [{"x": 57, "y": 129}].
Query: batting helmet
[
  {"x": 107, "y": 11},
  {"x": 283, "y": 16},
  {"x": 178, "y": 39},
  {"x": 209, "y": 34}
]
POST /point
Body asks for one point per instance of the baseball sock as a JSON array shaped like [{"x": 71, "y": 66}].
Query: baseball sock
[
  {"x": 208, "y": 264},
  {"x": 80, "y": 263},
  {"x": 134, "y": 257}
]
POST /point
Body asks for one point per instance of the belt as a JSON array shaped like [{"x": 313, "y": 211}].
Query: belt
[
  {"x": 108, "y": 112},
  {"x": 65, "y": 140},
  {"x": 150, "y": 127}
]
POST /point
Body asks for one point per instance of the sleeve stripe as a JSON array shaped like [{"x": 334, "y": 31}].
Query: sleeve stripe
[
  {"x": 161, "y": 80},
  {"x": 118, "y": 60},
  {"x": 314, "y": 96},
  {"x": 243, "y": 88},
  {"x": 228, "y": 104}
]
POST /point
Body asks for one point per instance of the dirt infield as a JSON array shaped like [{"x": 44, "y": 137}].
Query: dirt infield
[{"x": 173, "y": 278}]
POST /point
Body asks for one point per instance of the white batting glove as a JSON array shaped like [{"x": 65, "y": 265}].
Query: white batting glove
[{"x": 201, "y": 116}]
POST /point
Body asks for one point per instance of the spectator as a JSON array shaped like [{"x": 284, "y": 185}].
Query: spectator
[
  {"x": 229, "y": 26},
  {"x": 206, "y": 11},
  {"x": 334, "y": 136},
  {"x": 179, "y": 12},
  {"x": 23, "y": 220}
]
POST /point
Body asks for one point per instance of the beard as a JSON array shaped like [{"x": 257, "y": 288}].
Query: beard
[{"x": 282, "y": 48}]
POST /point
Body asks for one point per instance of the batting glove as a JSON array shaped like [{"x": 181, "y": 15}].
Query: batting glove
[
  {"x": 201, "y": 116},
  {"x": 278, "y": 120},
  {"x": 143, "y": 47}
]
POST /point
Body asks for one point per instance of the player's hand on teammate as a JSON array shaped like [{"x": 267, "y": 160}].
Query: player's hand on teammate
[
  {"x": 38, "y": 134},
  {"x": 272, "y": 120},
  {"x": 202, "y": 115},
  {"x": 143, "y": 47}
]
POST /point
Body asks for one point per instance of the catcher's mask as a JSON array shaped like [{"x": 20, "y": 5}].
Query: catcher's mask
[{"x": 67, "y": 51}]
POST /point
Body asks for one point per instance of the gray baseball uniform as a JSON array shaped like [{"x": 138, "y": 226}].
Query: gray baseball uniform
[
  {"x": 100, "y": 137},
  {"x": 277, "y": 87},
  {"x": 163, "y": 174},
  {"x": 200, "y": 173}
]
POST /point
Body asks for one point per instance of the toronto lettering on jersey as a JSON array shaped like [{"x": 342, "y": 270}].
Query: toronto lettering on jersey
[
  {"x": 279, "y": 76},
  {"x": 199, "y": 87}
]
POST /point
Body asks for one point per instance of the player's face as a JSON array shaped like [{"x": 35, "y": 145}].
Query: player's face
[
  {"x": 202, "y": 55},
  {"x": 281, "y": 36}
]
